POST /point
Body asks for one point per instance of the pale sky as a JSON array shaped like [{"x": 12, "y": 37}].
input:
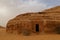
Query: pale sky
[{"x": 11, "y": 8}]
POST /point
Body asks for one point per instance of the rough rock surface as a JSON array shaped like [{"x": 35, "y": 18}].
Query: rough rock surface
[{"x": 47, "y": 20}]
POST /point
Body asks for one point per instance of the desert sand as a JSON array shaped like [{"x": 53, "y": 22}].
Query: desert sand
[{"x": 9, "y": 36}]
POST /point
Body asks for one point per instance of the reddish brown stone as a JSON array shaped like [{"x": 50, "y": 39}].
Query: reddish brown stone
[{"x": 46, "y": 21}]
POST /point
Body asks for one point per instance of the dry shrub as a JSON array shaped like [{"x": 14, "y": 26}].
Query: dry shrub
[
  {"x": 57, "y": 29},
  {"x": 26, "y": 32}
]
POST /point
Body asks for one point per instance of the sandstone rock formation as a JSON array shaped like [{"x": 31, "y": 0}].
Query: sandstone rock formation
[{"x": 45, "y": 22}]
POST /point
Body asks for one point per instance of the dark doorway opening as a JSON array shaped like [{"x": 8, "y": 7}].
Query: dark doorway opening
[{"x": 37, "y": 27}]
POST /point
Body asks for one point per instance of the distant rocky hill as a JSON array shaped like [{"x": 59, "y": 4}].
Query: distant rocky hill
[
  {"x": 54, "y": 9},
  {"x": 2, "y": 27}
]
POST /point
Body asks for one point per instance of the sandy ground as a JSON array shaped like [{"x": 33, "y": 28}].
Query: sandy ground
[{"x": 7, "y": 36}]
